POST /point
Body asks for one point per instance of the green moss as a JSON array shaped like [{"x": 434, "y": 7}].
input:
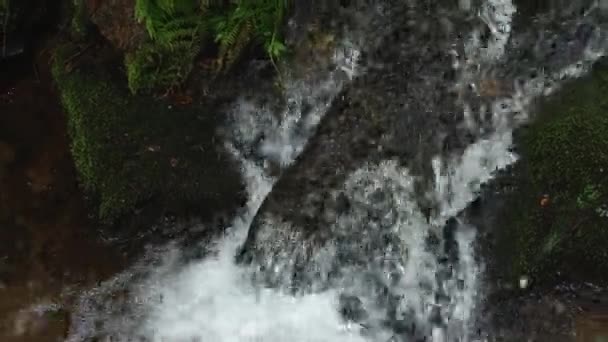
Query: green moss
[
  {"x": 152, "y": 68},
  {"x": 568, "y": 147},
  {"x": 132, "y": 150},
  {"x": 565, "y": 156}
]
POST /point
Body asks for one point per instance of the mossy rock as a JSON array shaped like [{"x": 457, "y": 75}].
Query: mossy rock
[
  {"x": 132, "y": 151},
  {"x": 556, "y": 222}
]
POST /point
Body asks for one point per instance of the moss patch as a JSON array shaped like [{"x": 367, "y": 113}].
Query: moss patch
[
  {"x": 151, "y": 68},
  {"x": 135, "y": 150},
  {"x": 556, "y": 223}
]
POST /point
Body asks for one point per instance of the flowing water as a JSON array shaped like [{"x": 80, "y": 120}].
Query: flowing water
[{"x": 390, "y": 272}]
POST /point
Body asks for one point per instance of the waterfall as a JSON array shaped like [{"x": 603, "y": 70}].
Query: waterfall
[{"x": 391, "y": 272}]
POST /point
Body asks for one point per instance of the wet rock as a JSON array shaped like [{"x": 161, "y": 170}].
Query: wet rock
[
  {"x": 450, "y": 247},
  {"x": 352, "y": 308},
  {"x": 592, "y": 326},
  {"x": 41, "y": 321},
  {"x": 557, "y": 314},
  {"x": 342, "y": 203},
  {"x": 40, "y": 177},
  {"x": 386, "y": 113}
]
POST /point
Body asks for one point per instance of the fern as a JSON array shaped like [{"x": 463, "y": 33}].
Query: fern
[
  {"x": 151, "y": 68},
  {"x": 233, "y": 43},
  {"x": 247, "y": 22},
  {"x": 179, "y": 32},
  {"x": 178, "y": 28},
  {"x": 169, "y": 20}
]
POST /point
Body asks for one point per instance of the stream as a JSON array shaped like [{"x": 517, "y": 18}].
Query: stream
[{"x": 395, "y": 262}]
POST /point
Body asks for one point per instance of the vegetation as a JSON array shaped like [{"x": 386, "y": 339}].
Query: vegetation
[
  {"x": 132, "y": 150},
  {"x": 178, "y": 28},
  {"x": 79, "y": 18},
  {"x": 560, "y": 222},
  {"x": 175, "y": 29},
  {"x": 150, "y": 67},
  {"x": 248, "y": 21},
  {"x": 170, "y": 23}
]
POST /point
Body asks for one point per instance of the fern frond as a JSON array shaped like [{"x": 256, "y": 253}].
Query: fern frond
[
  {"x": 177, "y": 28},
  {"x": 234, "y": 43},
  {"x": 185, "y": 29}
]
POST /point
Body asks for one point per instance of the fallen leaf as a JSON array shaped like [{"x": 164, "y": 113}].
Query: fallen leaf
[{"x": 544, "y": 201}]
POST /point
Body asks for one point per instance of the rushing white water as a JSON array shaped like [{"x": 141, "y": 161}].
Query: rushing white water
[
  {"x": 215, "y": 300},
  {"x": 212, "y": 300}
]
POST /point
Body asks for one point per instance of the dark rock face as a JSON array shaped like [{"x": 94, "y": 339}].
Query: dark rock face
[
  {"x": 116, "y": 21},
  {"x": 400, "y": 108}
]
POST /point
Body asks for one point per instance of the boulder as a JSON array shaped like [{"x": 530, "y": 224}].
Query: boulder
[{"x": 399, "y": 108}]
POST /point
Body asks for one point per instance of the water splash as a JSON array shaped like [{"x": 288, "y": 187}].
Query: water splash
[
  {"x": 214, "y": 300},
  {"x": 383, "y": 277}
]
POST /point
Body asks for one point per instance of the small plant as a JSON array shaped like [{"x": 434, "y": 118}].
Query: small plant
[
  {"x": 150, "y": 67},
  {"x": 589, "y": 197},
  {"x": 171, "y": 23},
  {"x": 176, "y": 31},
  {"x": 249, "y": 21}
]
